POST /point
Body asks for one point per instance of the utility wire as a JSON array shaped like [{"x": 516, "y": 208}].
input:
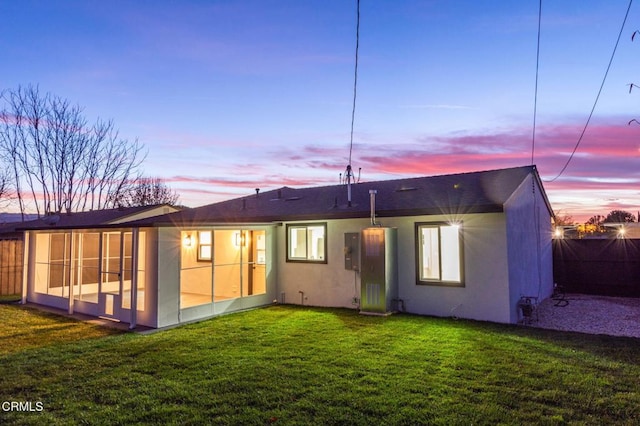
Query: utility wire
[
  {"x": 535, "y": 97},
  {"x": 355, "y": 80},
  {"x": 597, "y": 97}
]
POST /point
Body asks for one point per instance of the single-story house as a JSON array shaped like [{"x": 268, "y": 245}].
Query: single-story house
[{"x": 468, "y": 245}]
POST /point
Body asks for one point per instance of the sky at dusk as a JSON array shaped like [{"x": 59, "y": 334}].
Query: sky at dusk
[{"x": 228, "y": 96}]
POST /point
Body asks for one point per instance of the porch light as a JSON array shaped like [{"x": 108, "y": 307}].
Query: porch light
[
  {"x": 239, "y": 239},
  {"x": 621, "y": 232},
  {"x": 188, "y": 241},
  {"x": 558, "y": 233}
]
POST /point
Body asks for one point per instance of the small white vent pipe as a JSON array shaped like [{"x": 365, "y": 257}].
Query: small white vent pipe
[{"x": 372, "y": 197}]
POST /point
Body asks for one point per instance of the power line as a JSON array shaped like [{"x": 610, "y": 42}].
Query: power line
[
  {"x": 597, "y": 97},
  {"x": 355, "y": 81},
  {"x": 535, "y": 97}
]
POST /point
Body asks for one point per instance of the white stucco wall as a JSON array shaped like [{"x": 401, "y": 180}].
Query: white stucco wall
[
  {"x": 322, "y": 284},
  {"x": 168, "y": 278},
  {"x": 529, "y": 234},
  {"x": 485, "y": 295},
  {"x": 485, "y": 292}
]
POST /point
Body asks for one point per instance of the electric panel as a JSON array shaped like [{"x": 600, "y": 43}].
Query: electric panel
[{"x": 352, "y": 251}]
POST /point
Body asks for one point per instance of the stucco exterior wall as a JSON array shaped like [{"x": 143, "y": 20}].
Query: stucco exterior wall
[
  {"x": 485, "y": 292},
  {"x": 529, "y": 233},
  {"x": 168, "y": 278},
  {"x": 485, "y": 295},
  {"x": 320, "y": 284}
]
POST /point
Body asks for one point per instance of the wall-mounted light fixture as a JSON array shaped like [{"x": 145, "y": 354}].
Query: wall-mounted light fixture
[
  {"x": 188, "y": 241},
  {"x": 239, "y": 239}
]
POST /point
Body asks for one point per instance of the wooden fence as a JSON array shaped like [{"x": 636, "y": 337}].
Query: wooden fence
[
  {"x": 10, "y": 267},
  {"x": 608, "y": 267}
]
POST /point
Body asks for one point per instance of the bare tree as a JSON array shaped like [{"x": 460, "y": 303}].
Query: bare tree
[
  {"x": 147, "y": 192},
  {"x": 562, "y": 219},
  {"x": 6, "y": 192},
  {"x": 60, "y": 162},
  {"x": 595, "y": 220}
]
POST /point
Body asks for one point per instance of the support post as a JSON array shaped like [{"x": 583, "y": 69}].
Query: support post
[{"x": 133, "y": 309}]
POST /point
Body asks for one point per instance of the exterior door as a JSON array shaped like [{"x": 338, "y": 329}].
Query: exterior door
[
  {"x": 110, "y": 296},
  {"x": 257, "y": 263}
]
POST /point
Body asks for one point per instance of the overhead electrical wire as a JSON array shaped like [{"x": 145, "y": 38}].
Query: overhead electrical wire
[
  {"x": 604, "y": 79},
  {"x": 535, "y": 96},
  {"x": 348, "y": 173}
]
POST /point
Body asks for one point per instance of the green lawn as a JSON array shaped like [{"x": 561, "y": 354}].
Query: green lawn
[
  {"x": 293, "y": 365},
  {"x": 10, "y": 298}
]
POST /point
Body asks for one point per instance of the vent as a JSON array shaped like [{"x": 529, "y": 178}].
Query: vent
[
  {"x": 372, "y": 294},
  {"x": 293, "y": 198},
  {"x": 406, "y": 189}
]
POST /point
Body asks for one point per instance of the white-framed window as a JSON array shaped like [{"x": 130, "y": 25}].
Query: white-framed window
[
  {"x": 307, "y": 242},
  {"x": 204, "y": 246},
  {"x": 439, "y": 254}
]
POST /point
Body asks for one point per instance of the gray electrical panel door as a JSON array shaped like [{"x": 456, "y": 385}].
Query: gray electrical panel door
[
  {"x": 379, "y": 285},
  {"x": 352, "y": 251}
]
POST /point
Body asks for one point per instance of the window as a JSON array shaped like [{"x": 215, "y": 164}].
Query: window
[
  {"x": 204, "y": 246},
  {"x": 307, "y": 243},
  {"x": 439, "y": 253}
]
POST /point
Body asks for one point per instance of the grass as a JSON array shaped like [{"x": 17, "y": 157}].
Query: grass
[
  {"x": 293, "y": 365},
  {"x": 10, "y": 298}
]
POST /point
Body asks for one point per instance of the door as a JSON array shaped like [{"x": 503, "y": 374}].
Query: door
[
  {"x": 110, "y": 297},
  {"x": 258, "y": 263}
]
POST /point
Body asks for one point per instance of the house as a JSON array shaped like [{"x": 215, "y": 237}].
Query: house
[{"x": 468, "y": 245}]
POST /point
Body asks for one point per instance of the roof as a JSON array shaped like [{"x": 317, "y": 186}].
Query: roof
[
  {"x": 88, "y": 219},
  {"x": 476, "y": 192}
]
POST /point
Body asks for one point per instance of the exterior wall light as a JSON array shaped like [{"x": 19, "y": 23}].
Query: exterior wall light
[
  {"x": 621, "y": 232},
  {"x": 239, "y": 239},
  {"x": 187, "y": 241}
]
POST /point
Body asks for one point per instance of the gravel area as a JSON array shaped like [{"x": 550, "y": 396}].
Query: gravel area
[{"x": 615, "y": 316}]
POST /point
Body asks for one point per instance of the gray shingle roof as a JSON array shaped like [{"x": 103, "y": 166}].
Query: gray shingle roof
[
  {"x": 77, "y": 220},
  {"x": 476, "y": 192}
]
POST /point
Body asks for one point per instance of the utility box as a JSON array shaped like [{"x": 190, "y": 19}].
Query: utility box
[
  {"x": 352, "y": 251},
  {"x": 379, "y": 270}
]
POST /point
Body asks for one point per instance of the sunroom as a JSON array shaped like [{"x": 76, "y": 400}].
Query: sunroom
[
  {"x": 170, "y": 275},
  {"x": 100, "y": 272},
  {"x": 221, "y": 269}
]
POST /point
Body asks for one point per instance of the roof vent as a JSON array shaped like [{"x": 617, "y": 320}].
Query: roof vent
[
  {"x": 406, "y": 189},
  {"x": 292, "y": 198},
  {"x": 51, "y": 219}
]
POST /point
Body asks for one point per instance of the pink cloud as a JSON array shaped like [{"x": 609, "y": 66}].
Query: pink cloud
[{"x": 605, "y": 166}]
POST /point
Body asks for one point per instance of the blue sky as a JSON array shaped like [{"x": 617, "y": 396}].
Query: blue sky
[{"x": 228, "y": 96}]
